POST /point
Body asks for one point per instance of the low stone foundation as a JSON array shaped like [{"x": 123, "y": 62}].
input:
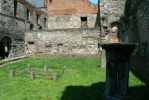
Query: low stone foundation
[{"x": 64, "y": 41}]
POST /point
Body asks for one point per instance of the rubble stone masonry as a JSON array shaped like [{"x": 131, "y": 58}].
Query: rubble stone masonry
[{"x": 64, "y": 41}]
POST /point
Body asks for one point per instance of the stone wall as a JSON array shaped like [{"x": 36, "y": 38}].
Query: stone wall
[
  {"x": 15, "y": 19},
  {"x": 14, "y": 41},
  {"x": 137, "y": 22},
  {"x": 20, "y": 9},
  {"x": 71, "y": 21},
  {"x": 7, "y": 7},
  {"x": 34, "y": 17},
  {"x": 143, "y": 27},
  {"x": 111, "y": 11},
  {"x": 131, "y": 17},
  {"x": 64, "y": 41},
  {"x": 38, "y": 24},
  {"x": 11, "y": 23},
  {"x": 111, "y": 16}
]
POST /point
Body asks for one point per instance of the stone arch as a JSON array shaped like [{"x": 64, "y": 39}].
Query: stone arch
[
  {"x": 5, "y": 47},
  {"x": 121, "y": 31},
  {"x": 116, "y": 24},
  {"x": 114, "y": 31}
]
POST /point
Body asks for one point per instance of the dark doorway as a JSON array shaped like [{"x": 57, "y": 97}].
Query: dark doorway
[
  {"x": 28, "y": 14},
  {"x": 60, "y": 48},
  {"x": 31, "y": 27},
  {"x": 84, "y": 22},
  {"x": 5, "y": 46},
  {"x": 40, "y": 27}
]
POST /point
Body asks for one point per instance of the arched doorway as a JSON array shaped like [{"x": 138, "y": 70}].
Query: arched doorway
[
  {"x": 114, "y": 30},
  {"x": 5, "y": 46}
]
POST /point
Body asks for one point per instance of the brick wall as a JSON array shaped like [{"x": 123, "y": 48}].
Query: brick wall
[{"x": 62, "y": 7}]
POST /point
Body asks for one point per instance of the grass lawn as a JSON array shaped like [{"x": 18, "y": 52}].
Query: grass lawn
[{"x": 83, "y": 80}]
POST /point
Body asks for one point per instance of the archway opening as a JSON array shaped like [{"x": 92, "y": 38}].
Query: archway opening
[
  {"x": 5, "y": 47},
  {"x": 115, "y": 27},
  {"x": 114, "y": 30}
]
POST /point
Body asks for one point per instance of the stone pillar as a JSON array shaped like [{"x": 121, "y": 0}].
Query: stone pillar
[
  {"x": 26, "y": 49},
  {"x": 11, "y": 53},
  {"x": 104, "y": 40},
  {"x": 103, "y": 58},
  {"x": 117, "y": 69},
  {"x": 6, "y": 50}
]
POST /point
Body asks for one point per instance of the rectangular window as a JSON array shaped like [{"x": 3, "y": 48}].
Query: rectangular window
[
  {"x": 60, "y": 48},
  {"x": 31, "y": 26},
  {"x": 37, "y": 16},
  {"x": 84, "y": 22},
  {"x": 45, "y": 21},
  {"x": 27, "y": 14},
  {"x": 15, "y": 8},
  {"x": 31, "y": 42}
]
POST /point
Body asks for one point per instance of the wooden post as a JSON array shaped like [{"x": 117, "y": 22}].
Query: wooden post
[
  {"x": 64, "y": 69},
  {"x": 32, "y": 75},
  {"x": 46, "y": 68},
  {"x": 29, "y": 68},
  {"x": 54, "y": 76},
  {"x": 12, "y": 73}
]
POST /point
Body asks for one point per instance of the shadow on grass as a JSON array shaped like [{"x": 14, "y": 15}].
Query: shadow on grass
[
  {"x": 138, "y": 93},
  {"x": 139, "y": 76},
  {"x": 93, "y": 92}
]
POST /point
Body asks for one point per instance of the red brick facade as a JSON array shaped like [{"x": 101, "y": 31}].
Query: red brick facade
[{"x": 62, "y": 7}]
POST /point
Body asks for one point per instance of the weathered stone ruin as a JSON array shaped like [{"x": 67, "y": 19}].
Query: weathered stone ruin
[
  {"x": 16, "y": 17},
  {"x": 70, "y": 29},
  {"x": 74, "y": 27},
  {"x": 128, "y": 21}
]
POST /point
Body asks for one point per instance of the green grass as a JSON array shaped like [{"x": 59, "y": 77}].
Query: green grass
[{"x": 83, "y": 80}]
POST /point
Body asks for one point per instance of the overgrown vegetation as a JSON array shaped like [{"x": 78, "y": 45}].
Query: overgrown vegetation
[{"x": 83, "y": 80}]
